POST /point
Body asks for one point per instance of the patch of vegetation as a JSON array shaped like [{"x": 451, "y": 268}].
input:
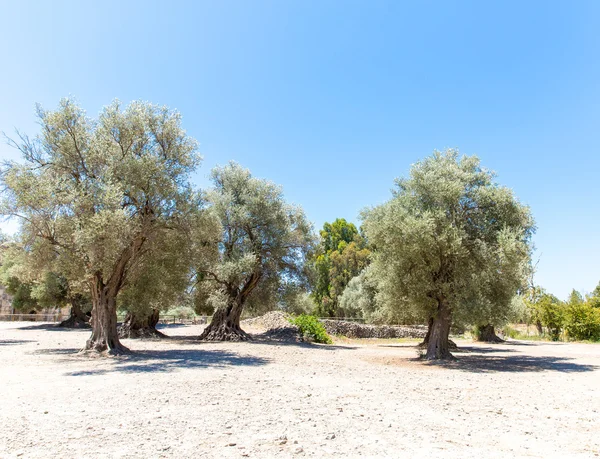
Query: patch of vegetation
[
  {"x": 513, "y": 333},
  {"x": 311, "y": 328},
  {"x": 181, "y": 312},
  {"x": 582, "y": 322}
]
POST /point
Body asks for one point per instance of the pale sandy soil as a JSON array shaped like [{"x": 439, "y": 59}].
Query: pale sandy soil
[{"x": 180, "y": 398}]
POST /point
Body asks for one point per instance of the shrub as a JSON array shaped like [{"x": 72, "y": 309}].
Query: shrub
[
  {"x": 311, "y": 328},
  {"x": 507, "y": 330},
  {"x": 181, "y": 312},
  {"x": 582, "y": 322},
  {"x": 550, "y": 312}
]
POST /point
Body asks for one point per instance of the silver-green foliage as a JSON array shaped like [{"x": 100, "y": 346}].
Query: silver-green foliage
[
  {"x": 262, "y": 243},
  {"x": 93, "y": 194},
  {"x": 450, "y": 233}
]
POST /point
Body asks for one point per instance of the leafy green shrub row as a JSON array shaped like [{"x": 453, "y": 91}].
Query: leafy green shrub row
[
  {"x": 311, "y": 328},
  {"x": 577, "y": 319},
  {"x": 582, "y": 322}
]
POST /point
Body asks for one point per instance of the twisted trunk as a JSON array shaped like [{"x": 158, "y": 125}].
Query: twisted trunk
[
  {"x": 140, "y": 326},
  {"x": 225, "y": 324},
  {"x": 77, "y": 318},
  {"x": 105, "y": 338},
  {"x": 438, "y": 346},
  {"x": 425, "y": 343},
  {"x": 487, "y": 334}
]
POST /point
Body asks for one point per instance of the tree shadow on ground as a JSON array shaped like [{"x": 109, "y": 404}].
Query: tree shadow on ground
[
  {"x": 57, "y": 351},
  {"x": 477, "y": 363},
  {"x": 164, "y": 361},
  {"x": 53, "y": 327},
  {"x": 459, "y": 350},
  {"x": 523, "y": 343},
  {"x": 269, "y": 341},
  {"x": 488, "y": 349},
  {"x": 15, "y": 341},
  {"x": 262, "y": 338}
]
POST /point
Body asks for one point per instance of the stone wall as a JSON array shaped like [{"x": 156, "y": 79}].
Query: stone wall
[{"x": 356, "y": 330}]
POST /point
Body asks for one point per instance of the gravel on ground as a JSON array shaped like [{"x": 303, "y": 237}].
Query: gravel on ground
[{"x": 179, "y": 398}]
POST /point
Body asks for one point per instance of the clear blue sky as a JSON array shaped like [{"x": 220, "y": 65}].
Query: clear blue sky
[{"x": 333, "y": 100}]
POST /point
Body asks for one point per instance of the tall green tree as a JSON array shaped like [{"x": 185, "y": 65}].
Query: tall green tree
[
  {"x": 263, "y": 243},
  {"x": 575, "y": 297},
  {"x": 341, "y": 255},
  {"x": 450, "y": 239},
  {"x": 547, "y": 311},
  {"x": 92, "y": 193},
  {"x": 594, "y": 297}
]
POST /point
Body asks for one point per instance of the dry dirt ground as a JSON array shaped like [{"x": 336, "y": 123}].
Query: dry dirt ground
[{"x": 180, "y": 398}]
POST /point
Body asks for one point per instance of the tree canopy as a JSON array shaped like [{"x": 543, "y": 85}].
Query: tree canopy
[
  {"x": 92, "y": 193},
  {"x": 450, "y": 242},
  {"x": 340, "y": 256},
  {"x": 262, "y": 246}
]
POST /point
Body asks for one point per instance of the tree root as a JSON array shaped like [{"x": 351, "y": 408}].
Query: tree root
[
  {"x": 140, "y": 333},
  {"x": 100, "y": 350},
  {"x": 487, "y": 334},
  {"x": 75, "y": 322},
  {"x": 451, "y": 345},
  {"x": 224, "y": 333}
]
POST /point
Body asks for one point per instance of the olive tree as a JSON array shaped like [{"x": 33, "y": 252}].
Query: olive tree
[
  {"x": 34, "y": 285},
  {"x": 162, "y": 280},
  {"x": 158, "y": 282},
  {"x": 94, "y": 193},
  {"x": 451, "y": 240},
  {"x": 263, "y": 244}
]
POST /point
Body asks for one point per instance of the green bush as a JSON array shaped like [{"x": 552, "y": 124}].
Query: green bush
[
  {"x": 582, "y": 322},
  {"x": 311, "y": 328},
  {"x": 511, "y": 332},
  {"x": 181, "y": 312},
  {"x": 550, "y": 312}
]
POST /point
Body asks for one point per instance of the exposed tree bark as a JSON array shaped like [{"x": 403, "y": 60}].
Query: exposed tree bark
[
  {"x": 77, "y": 319},
  {"x": 425, "y": 343},
  {"x": 135, "y": 326},
  {"x": 105, "y": 338},
  {"x": 438, "y": 347},
  {"x": 539, "y": 327},
  {"x": 487, "y": 334},
  {"x": 225, "y": 325}
]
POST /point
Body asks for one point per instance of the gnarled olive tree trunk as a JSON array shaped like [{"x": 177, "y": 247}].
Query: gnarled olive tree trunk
[
  {"x": 425, "y": 343},
  {"x": 225, "y": 324},
  {"x": 438, "y": 347},
  {"x": 104, "y": 320},
  {"x": 141, "y": 326},
  {"x": 77, "y": 318},
  {"x": 487, "y": 334}
]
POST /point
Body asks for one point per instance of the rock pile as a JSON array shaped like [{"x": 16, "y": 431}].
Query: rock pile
[
  {"x": 270, "y": 321},
  {"x": 356, "y": 330},
  {"x": 275, "y": 326}
]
